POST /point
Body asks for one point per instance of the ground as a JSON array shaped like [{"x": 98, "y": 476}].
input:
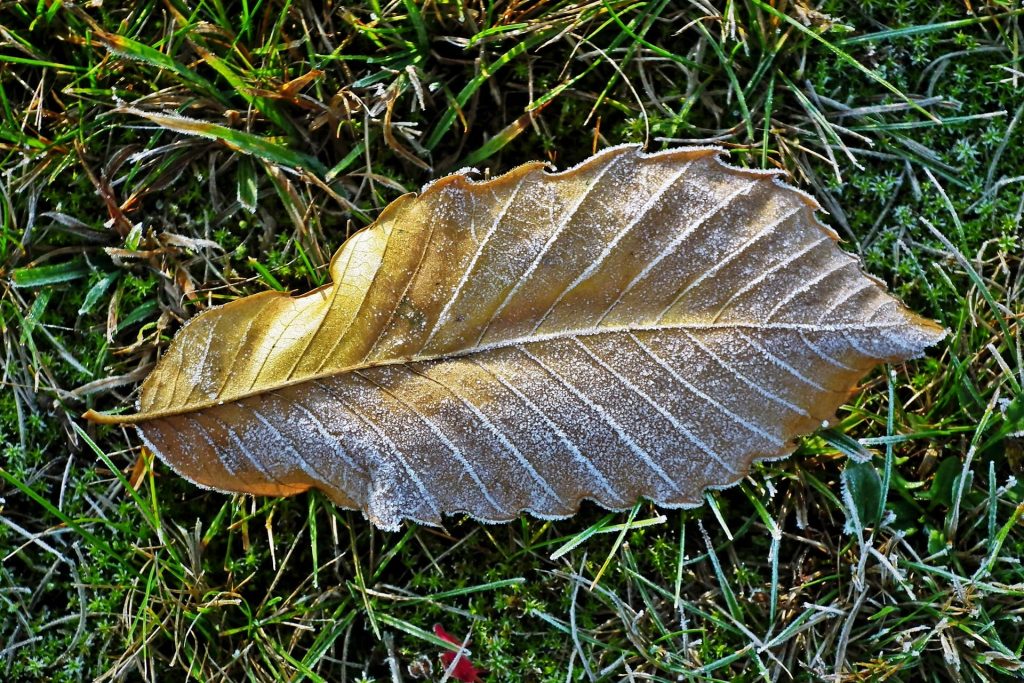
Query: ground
[{"x": 887, "y": 547}]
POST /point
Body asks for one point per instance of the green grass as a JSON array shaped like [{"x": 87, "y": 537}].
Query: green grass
[{"x": 157, "y": 158}]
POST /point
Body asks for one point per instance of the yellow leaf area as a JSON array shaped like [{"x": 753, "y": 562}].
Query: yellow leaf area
[{"x": 642, "y": 325}]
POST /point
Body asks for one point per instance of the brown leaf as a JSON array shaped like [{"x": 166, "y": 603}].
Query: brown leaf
[{"x": 640, "y": 325}]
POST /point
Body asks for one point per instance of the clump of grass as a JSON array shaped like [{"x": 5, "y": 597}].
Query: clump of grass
[{"x": 159, "y": 159}]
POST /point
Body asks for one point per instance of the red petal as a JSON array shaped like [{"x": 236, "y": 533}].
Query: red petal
[
  {"x": 463, "y": 670},
  {"x": 445, "y": 636},
  {"x": 466, "y": 672}
]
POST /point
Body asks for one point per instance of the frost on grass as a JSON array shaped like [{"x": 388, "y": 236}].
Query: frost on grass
[{"x": 637, "y": 326}]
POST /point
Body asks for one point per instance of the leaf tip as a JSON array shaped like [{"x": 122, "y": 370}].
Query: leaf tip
[{"x": 919, "y": 332}]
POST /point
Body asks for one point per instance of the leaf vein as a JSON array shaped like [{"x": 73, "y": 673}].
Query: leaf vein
[
  {"x": 592, "y": 268},
  {"x": 446, "y": 311},
  {"x": 524, "y": 279},
  {"x": 660, "y": 409},
  {"x": 602, "y": 413},
  {"x": 746, "y": 380},
  {"x": 663, "y": 364},
  {"x": 559, "y": 432},
  {"x": 443, "y": 438},
  {"x": 496, "y": 433},
  {"x": 676, "y": 242},
  {"x": 428, "y": 497}
]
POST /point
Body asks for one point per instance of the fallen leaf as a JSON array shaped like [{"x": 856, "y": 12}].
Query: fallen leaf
[{"x": 637, "y": 326}]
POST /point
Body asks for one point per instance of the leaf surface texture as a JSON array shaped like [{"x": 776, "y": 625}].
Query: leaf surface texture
[{"x": 638, "y": 326}]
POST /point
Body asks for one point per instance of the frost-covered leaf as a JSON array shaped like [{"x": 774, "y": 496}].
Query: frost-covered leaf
[{"x": 640, "y": 325}]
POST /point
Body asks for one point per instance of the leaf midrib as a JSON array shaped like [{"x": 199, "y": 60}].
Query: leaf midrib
[{"x": 137, "y": 418}]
